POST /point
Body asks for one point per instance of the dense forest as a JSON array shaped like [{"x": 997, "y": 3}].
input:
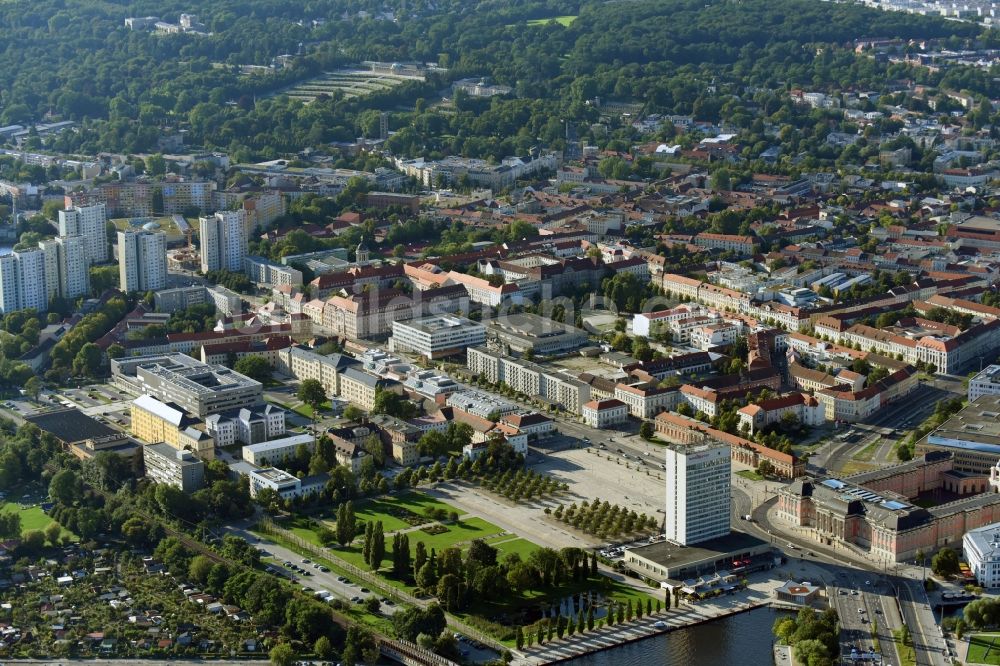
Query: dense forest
[{"x": 77, "y": 60}]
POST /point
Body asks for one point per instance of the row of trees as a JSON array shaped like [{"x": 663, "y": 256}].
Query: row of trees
[
  {"x": 523, "y": 484},
  {"x": 603, "y": 519},
  {"x": 548, "y": 629}
]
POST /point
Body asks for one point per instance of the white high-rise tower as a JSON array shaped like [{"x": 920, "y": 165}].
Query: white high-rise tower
[
  {"x": 223, "y": 241},
  {"x": 698, "y": 492},
  {"x": 142, "y": 260},
  {"x": 89, "y": 222}
]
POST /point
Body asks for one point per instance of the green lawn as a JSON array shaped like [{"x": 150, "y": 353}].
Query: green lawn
[
  {"x": 511, "y": 544},
  {"x": 750, "y": 474},
  {"x": 564, "y": 21},
  {"x": 383, "y": 509},
  {"x": 31, "y": 519},
  {"x": 984, "y": 649},
  {"x": 459, "y": 533},
  {"x": 866, "y": 454}
]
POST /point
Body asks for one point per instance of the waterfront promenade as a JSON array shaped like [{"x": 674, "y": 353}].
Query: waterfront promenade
[{"x": 759, "y": 593}]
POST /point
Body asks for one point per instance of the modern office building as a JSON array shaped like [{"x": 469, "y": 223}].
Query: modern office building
[
  {"x": 981, "y": 548},
  {"x": 197, "y": 388},
  {"x": 22, "y": 281},
  {"x": 987, "y": 382},
  {"x": 223, "y": 241},
  {"x": 972, "y": 436},
  {"x": 436, "y": 337},
  {"x": 698, "y": 488},
  {"x": 142, "y": 260},
  {"x": 89, "y": 222},
  {"x": 267, "y": 273},
  {"x": 178, "y": 468},
  {"x": 523, "y": 332},
  {"x": 67, "y": 273}
]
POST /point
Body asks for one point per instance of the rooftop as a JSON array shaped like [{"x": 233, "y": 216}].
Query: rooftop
[
  {"x": 71, "y": 425},
  {"x": 440, "y": 322},
  {"x": 672, "y": 555}
]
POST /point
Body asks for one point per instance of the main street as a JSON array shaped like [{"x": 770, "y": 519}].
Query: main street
[{"x": 889, "y": 424}]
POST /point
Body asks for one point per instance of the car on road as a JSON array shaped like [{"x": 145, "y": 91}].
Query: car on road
[
  {"x": 842, "y": 592},
  {"x": 342, "y": 579},
  {"x": 305, "y": 561},
  {"x": 861, "y": 610},
  {"x": 586, "y": 440},
  {"x": 659, "y": 624},
  {"x": 365, "y": 589},
  {"x": 324, "y": 569}
]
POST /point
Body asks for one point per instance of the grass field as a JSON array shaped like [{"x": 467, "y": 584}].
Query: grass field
[
  {"x": 564, "y": 21},
  {"x": 383, "y": 509},
  {"x": 31, "y": 519},
  {"x": 750, "y": 474},
  {"x": 507, "y": 544},
  {"x": 984, "y": 649}
]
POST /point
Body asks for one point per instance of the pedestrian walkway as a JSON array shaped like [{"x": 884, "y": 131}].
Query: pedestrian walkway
[
  {"x": 783, "y": 655},
  {"x": 627, "y": 632},
  {"x": 758, "y": 594}
]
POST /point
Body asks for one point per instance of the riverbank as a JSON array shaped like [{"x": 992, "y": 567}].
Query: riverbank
[{"x": 607, "y": 638}]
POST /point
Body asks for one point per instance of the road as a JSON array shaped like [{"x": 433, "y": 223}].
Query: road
[
  {"x": 929, "y": 645},
  {"x": 912, "y": 604},
  {"x": 903, "y": 415},
  {"x": 317, "y": 580}
]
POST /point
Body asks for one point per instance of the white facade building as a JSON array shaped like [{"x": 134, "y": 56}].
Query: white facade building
[
  {"x": 697, "y": 488},
  {"x": 981, "y": 548},
  {"x": 142, "y": 260},
  {"x": 67, "y": 272},
  {"x": 277, "y": 451},
  {"x": 22, "y": 281},
  {"x": 987, "y": 382},
  {"x": 604, "y": 413},
  {"x": 436, "y": 337},
  {"x": 89, "y": 222},
  {"x": 223, "y": 241}
]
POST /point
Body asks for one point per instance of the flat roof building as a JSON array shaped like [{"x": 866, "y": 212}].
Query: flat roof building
[
  {"x": 196, "y": 387},
  {"x": 736, "y": 554},
  {"x": 981, "y": 548},
  {"x": 178, "y": 468},
  {"x": 972, "y": 436},
  {"x": 436, "y": 337},
  {"x": 522, "y": 332},
  {"x": 987, "y": 382}
]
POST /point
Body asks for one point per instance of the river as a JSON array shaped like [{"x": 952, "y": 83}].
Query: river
[{"x": 736, "y": 640}]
